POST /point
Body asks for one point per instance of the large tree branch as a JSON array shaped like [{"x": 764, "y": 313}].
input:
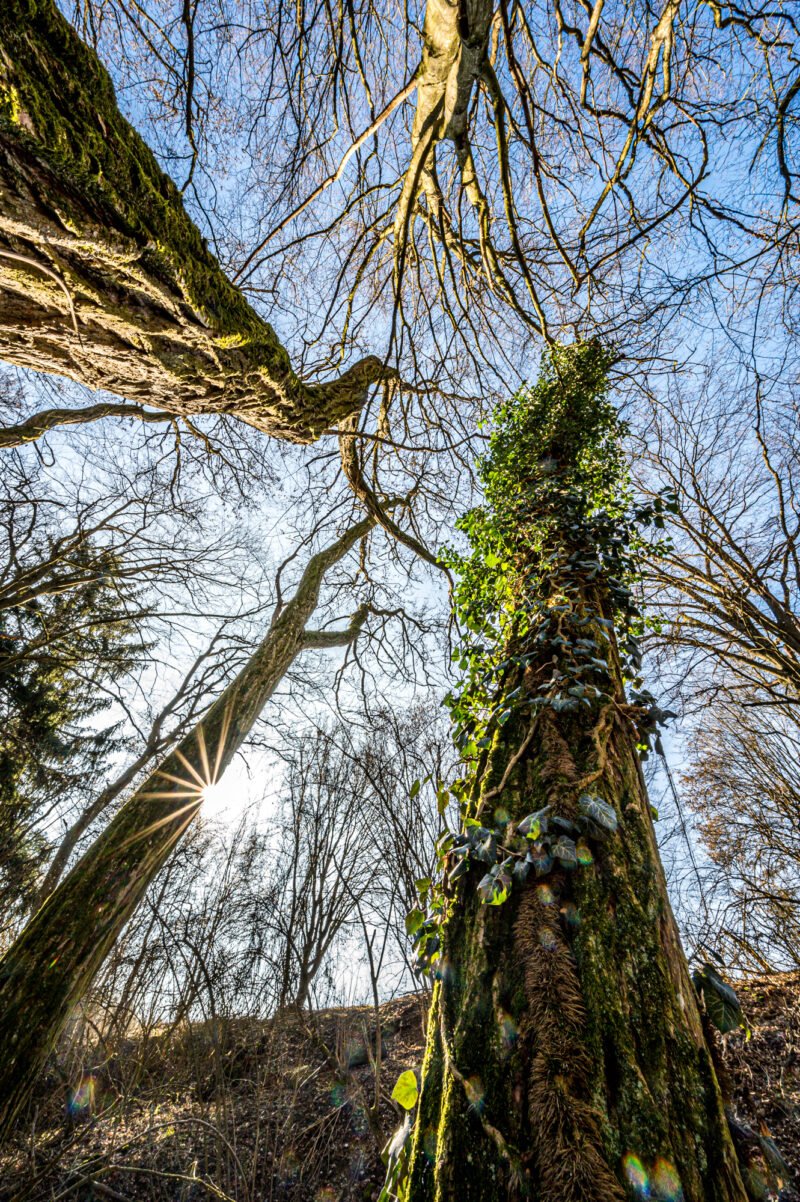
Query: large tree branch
[
  {"x": 104, "y": 277},
  {"x": 454, "y": 46},
  {"x": 48, "y": 419}
]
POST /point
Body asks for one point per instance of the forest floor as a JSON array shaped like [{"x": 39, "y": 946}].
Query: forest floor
[{"x": 281, "y": 1111}]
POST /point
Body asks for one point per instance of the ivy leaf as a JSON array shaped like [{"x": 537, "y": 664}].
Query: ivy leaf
[
  {"x": 722, "y": 1004},
  {"x": 486, "y": 887},
  {"x": 535, "y": 824},
  {"x": 406, "y": 1090},
  {"x": 492, "y": 560},
  {"x": 602, "y": 816},
  {"x": 565, "y": 852},
  {"x": 395, "y": 1157},
  {"x": 486, "y": 850},
  {"x": 495, "y": 887},
  {"x": 541, "y": 859},
  {"x": 521, "y": 870},
  {"x": 458, "y": 870},
  {"x": 563, "y": 826},
  {"x": 414, "y": 920}
]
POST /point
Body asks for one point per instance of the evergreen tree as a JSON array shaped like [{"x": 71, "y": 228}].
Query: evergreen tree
[{"x": 59, "y": 654}]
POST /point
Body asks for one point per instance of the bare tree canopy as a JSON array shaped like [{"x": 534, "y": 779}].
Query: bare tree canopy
[{"x": 413, "y": 195}]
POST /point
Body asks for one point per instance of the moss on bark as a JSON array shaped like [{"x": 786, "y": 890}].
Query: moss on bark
[
  {"x": 103, "y": 275},
  {"x": 566, "y": 1058}
]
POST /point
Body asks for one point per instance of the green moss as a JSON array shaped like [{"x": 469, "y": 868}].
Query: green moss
[
  {"x": 609, "y": 1058},
  {"x": 74, "y": 124}
]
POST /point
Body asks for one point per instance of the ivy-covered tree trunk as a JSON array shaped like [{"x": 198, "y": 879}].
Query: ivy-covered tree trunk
[
  {"x": 566, "y": 1058},
  {"x": 48, "y": 969},
  {"x": 103, "y": 275}
]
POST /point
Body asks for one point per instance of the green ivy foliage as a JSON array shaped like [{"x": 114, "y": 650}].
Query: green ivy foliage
[
  {"x": 551, "y": 583},
  {"x": 558, "y": 514}
]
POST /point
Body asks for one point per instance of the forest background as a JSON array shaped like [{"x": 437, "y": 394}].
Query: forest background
[{"x": 617, "y": 171}]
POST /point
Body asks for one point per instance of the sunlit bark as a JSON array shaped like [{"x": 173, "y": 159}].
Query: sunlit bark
[{"x": 104, "y": 277}]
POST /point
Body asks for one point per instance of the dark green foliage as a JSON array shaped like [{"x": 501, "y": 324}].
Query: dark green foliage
[
  {"x": 58, "y": 656},
  {"x": 559, "y": 515},
  {"x": 547, "y": 593},
  {"x": 720, "y": 999}
]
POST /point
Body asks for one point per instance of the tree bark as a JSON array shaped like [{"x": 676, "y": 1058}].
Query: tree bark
[
  {"x": 48, "y": 969},
  {"x": 566, "y": 1059},
  {"x": 104, "y": 277},
  {"x": 564, "y": 1046}
]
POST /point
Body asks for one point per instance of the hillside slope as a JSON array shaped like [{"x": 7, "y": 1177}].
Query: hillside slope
[{"x": 282, "y": 1111}]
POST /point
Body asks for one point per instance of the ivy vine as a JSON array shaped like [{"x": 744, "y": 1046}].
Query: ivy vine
[{"x": 549, "y": 602}]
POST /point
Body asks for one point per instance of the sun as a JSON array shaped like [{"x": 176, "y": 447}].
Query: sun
[{"x": 221, "y": 797}]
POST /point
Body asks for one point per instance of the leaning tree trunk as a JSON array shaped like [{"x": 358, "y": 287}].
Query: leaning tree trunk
[
  {"x": 566, "y": 1059},
  {"x": 48, "y": 969},
  {"x": 103, "y": 275}
]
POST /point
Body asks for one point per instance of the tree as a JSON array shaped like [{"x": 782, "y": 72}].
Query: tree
[
  {"x": 58, "y": 655},
  {"x": 104, "y": 276},
  {"x": 566, "y": 1054},
  {"x": 325, "y": 860},
  {"x": 51, "y": 964},
  {"x": 744, "y": 786},
  {"x": 549, "y": 163},
  {"x": 82, "y": 581},
  {"x": 727, "y": 588}
]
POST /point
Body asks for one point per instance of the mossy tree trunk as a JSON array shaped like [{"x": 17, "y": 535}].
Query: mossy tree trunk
[
  {"x": 103, "y": 275},
  {"x": 49, "y": 968},
  {"x": 565, "y": 1047},
  {"x": 566, "y": 1059}
]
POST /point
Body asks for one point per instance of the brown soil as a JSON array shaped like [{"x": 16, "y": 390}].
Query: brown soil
[
  {"x": 765, "y": 1068},
  {"x": 249, "y": 1111}
]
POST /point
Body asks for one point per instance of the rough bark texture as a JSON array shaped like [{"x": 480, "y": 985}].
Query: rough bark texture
[
  {"x": 566, "y": 1059},
  {"x": 573, "y": 1037},
  {"x": 103, "y": 276},
  {"x": 50, "y": 966}
]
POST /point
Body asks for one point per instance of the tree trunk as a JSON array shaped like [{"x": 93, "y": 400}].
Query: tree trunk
[
  {"x": 48, "y": 969},
  {"x": 103, "y": 275},
  {"x": 566, "y": 1059},
  {"x": 565, "y": 1048}
]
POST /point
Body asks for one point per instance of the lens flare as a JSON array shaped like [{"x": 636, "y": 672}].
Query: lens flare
[
  {"x": 359, "y": 1121},
  {"x": 548, "y": 939},
  {"x": 636, "y": 1174},
  {"x": 81, "y": 1098},
  {"x": 338, "y": 1096},
  {"x": 444, "y": 971},
  {"x": 571, "y": 915},
  {"x": 584, "y": 852},
  {"x": 508, "y": 1028},
  {"x": 546, "y": 895},
  {"x": 502, "y": 816},
  {"x": 429, "y": 1144},
  {"x": 290, "y": 1165},
  {"x": 475, "y": 1093},
  {"x": 665, "y": 1182}
]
